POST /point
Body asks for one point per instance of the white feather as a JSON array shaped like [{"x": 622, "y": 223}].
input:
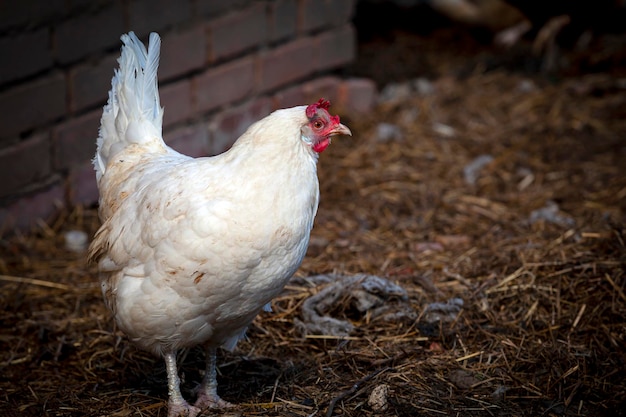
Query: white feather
[{"x": 133, "y": 113}]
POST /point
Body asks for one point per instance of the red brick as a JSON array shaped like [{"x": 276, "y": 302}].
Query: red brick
[
  {"x": 80, "y": 6},
  {"x": 227, "y": 126},
  {"x": 336, "y": 48},
  {"x": 324, "y": 87},
  {"x": 283, "y": 19},
  {"x": 90, "y": 83},
  {"x": 147, "y": 16},
  {"x": 86, "y": 34},
  {"x": 182, "y": 52},
  {"x": 342, "y": 11},
  {"x": 75, "y": 141},
  {"x": 190, "y": 140},
  {"x": 287, "y": 63},
  {"x": 24, "y": 163},
  {"x": 289, "y": 97},
  {"x": 216, "y": 7},
  {"x": 27, "y": 53},
  {"x": 40, "y": 204},
  {"x": 314, "y": 15},
  {"x": 82, "y": 185},
  {"x": 357, "y": 96},
  {"x": 20, "y": 13},
  {"x": 238, "y": 32},
  {"x": 31, "y": 105},
  {"x": 224, "y": 84},
  {"x": 176, "y": 101}
]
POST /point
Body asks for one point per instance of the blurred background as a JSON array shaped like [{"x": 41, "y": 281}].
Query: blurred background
[
  {"x": 484, "y": 187},
  {"x": 226, "y": 64}
]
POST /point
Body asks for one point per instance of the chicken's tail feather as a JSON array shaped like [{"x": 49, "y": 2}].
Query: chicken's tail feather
[{"x": 133, "y": 113}]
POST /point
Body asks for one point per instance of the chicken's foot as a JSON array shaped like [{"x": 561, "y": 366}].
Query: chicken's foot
[
  {"x": 176, "y": 406},
  {"x": 207, "y": 390}
]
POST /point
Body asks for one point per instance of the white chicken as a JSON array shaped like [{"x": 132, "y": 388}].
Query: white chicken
[{"x": 190, "y": 250}]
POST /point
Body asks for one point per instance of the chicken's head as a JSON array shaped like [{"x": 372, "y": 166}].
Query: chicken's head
[{"x": 322, "y": 126}]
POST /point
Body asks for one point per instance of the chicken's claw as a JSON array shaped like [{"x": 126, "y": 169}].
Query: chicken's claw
[
  {"x": 207, "y": 390},
  {"x": 182, "y": 409},
  {"x": 206, "y": 400}
]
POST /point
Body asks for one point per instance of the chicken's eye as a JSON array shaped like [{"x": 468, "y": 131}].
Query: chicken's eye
[{"x": 318, "y": 125}]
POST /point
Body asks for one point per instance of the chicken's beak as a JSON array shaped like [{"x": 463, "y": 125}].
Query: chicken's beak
[{"x": 340, "y": 130}]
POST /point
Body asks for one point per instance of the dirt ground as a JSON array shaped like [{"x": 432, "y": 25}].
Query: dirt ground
[{"x": 513, "y": 263}]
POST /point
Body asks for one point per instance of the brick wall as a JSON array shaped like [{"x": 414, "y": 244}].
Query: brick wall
[{"x": 224, "y": 65}]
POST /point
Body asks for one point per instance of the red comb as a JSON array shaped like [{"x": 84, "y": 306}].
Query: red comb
[{"x": 311, "y": 109}]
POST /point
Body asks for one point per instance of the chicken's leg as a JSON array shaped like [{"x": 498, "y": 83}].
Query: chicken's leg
[
  {"x": 207, "y": 391},
  {"x": 177, "y": 406}
]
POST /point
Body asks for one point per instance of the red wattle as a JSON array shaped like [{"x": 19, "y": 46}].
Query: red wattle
[{"x": 321, "y": 145}]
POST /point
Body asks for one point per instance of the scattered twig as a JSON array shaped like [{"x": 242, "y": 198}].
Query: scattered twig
[
  {"x": 615, "y": 286},
  {"x": 352, "y": 390},
  {"x": 34, "y": 281}
]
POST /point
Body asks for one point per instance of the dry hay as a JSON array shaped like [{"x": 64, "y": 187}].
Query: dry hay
[{"x": 543, "y": 326}]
